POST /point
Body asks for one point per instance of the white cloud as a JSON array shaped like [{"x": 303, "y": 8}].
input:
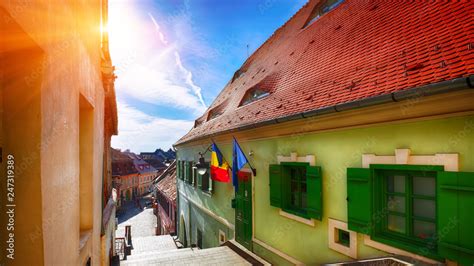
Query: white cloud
[
  {"x": 160, "y": 86},
  {"x": 189, "y": 78},
  {"x": 146, "y": 61},
  {"x": 157, "y": 27},
  {"x": 141, "y": 132}
]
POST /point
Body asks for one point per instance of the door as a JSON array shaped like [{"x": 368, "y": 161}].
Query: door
[{"x": 243, "y": 210}]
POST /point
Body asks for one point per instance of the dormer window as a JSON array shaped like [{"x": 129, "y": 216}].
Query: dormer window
[
  {"x": 321, "y": 9},
  {"x": 214, "y": 113},
  {"x": 237, "y": 74},
  {"x": 253, "y": 95}
]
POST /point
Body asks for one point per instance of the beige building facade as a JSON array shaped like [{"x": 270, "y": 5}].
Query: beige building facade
[{"x": 55, "y": 105}]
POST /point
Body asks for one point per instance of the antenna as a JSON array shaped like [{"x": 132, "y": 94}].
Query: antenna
[{"x": 247, "y": 50}]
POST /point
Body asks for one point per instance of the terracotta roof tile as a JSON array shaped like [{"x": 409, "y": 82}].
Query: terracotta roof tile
[
  {"x": 360, "y": 49},
  {"x": 167, "y": 182}
]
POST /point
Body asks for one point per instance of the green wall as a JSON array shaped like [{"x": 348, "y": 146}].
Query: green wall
[{"x": 334, "y": 151}]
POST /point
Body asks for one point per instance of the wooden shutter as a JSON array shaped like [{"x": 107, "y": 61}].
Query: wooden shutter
[
  {"x": 186, "y": 170},
  {"x": 180, "y": 170},
  {"x": 314, "y": 204},
  {"x": 199, "y": 180},
  {"x": 359, "y": 199},
  {"x": 455, "y": 206},
  {"x": 276, "y": 196},
  {"x": 205, "y": 182}
]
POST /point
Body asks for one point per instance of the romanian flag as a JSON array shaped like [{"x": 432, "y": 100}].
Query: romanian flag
[{"x": 219, "y": 167}]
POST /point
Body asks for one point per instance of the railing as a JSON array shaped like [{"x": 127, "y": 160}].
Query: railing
[{"x": 120, "y": 248}]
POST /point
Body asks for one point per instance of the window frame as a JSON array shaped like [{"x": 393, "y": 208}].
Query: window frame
[
  {"x": 287, "y": 205},
  {"x": 380, "y": 231},
  {"x": 243, "y": 101}
]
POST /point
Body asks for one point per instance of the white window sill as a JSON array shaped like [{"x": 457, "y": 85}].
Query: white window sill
[{"x": 309, "y": 222}]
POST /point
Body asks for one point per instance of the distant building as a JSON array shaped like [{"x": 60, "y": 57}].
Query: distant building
[
  {"x": 165, "y": 195},
  {"x": 159, "y": 159},
  {"x": 133, "y": 176}
]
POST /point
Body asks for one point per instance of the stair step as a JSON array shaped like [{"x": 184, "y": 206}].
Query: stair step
[
  {"x": 152, "y": 243},
  {"x": 156, "y": 253},
  {"x": 158, "y": 257}
]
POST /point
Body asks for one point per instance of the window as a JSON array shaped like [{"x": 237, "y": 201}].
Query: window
[
  {"x": 195, "y": 179},
  {"x": 253, "y": 94},
  {"x": 343, "y": 237},
  {"x": 406, "y": 198},
  {"x": 222, "y": 237},
  {"x": 322, "y": 9},
  {"x": 411, "y": 206},
  {"x": 214, "y": 113},
  {"x": 410, "y": 200},
  {"x": 181, "y": 170},
  {"x": 204, "y": 181},
  {"x": 240, "y": 72},
  {"x": 297, "y": 176},
  {"x": 296, "y": 188}
]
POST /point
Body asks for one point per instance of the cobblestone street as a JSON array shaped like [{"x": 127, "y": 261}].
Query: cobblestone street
[{"x": 142, "y": 221}]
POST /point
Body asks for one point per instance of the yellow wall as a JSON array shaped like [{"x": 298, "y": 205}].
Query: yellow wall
[{"x": 59, "y": 59}]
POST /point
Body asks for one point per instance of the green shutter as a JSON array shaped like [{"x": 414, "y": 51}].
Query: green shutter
[
  {"x": 314, "y": 205},
  {"x": 455, "y": 205},
  {"x": 275, "y": 186},
  {"x": 180, "y": 170},
  {"x": 199, "y": 180},
  {"x": 186, "y": 170},
  {"x": 359, "y": 199}
]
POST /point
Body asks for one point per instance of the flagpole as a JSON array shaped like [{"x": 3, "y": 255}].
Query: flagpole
[
  {"x": 222, "y": 155},
  {"x": 254, "y": 171}
]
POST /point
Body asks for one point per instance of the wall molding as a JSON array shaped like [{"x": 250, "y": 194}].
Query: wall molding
[
  {"x": 311, "y": 159},
  {"x": 209, "y": 212},
  {"x": 450, "y": 161}
]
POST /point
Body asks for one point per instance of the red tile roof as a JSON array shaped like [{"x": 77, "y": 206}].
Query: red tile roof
[
  {"x": 359, "y": 50},
  {"x": 167, "y": 182}
]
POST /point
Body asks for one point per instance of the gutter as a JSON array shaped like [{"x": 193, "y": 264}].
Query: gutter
[{"x": 413, "y": 93}]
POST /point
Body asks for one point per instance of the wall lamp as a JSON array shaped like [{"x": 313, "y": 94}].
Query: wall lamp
[{"x": 201, "y": 166}]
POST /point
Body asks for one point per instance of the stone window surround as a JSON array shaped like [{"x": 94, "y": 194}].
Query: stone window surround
[
  {"x": 350, "y": 251},
  {"x": 450, "y": 161},
  {"x": 311, "y": 159}
]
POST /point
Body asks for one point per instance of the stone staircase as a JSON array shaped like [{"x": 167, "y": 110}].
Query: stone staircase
[{"x": 161, "y": 250}]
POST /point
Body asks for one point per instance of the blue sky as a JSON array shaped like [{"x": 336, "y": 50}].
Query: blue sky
[{"x": 173, "y": 57}]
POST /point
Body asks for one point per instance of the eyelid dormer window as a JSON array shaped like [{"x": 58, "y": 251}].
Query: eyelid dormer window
[
  {"x": 254, "y": 94},
  {"x": 321, "y": 9}
]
